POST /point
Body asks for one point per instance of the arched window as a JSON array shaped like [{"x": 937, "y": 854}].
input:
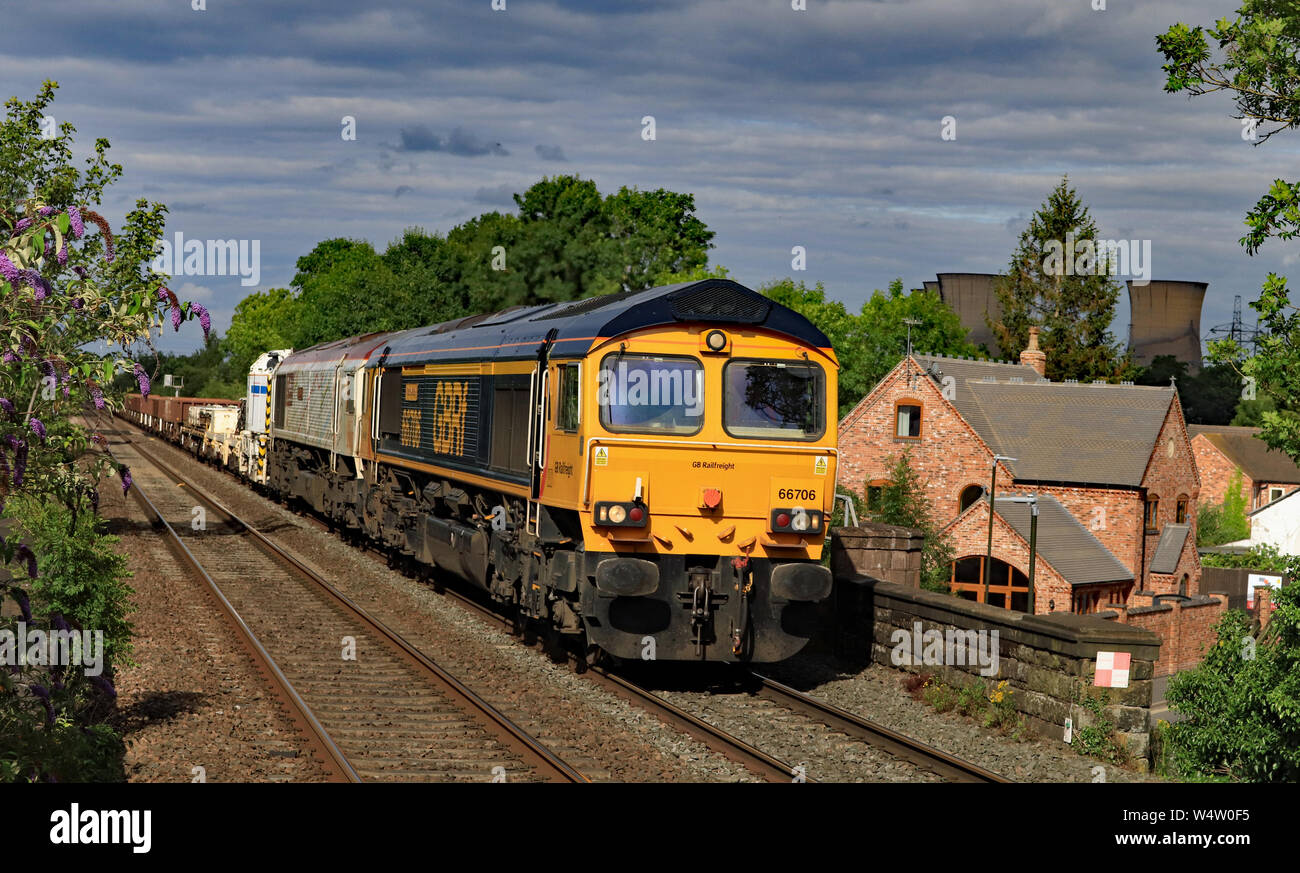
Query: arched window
[
  {"x": 969, "y": 495},
  {"x": 1008, "y": 587}
]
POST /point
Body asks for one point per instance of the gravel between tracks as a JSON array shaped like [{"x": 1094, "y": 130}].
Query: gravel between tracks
[
  {"x": 194, "y": 698},
  {"x": 599, "y": 734}
]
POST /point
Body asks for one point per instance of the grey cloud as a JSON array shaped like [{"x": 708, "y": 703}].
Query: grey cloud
[
  {"x": 550, "y": 153},
  {"x": 419, "y": 138}
]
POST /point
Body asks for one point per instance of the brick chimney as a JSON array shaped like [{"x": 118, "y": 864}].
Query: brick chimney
[{"x": 1033, "y": 356}]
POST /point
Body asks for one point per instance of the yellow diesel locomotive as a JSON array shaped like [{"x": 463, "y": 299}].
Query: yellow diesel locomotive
[{"x": 650, "y": 472}]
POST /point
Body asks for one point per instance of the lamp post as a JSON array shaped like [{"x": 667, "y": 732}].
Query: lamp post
[
  {"x": 993, "y": 491},
  {"x": 1033, "y": 541}
]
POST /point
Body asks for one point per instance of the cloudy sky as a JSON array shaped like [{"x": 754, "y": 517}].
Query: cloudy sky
[{"x": 818, "y": 128}]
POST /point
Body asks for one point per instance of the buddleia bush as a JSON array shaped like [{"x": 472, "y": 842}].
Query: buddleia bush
[{"x": 75, "y": 297}]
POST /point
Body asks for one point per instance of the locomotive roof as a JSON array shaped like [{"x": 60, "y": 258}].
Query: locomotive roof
[{"x": 517, "y": 333}]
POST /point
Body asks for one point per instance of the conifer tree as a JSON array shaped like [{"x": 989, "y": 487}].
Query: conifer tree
[{"x": 1058, "y": 280}]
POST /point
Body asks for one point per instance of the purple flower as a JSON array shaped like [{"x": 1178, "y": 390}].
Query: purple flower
[
  {"x": 75, "y": 222},
  {"x": 49, "y": 245},
  {"x": 38, "y": 283},
  {"x": 9, "y": 357},
  {"x": 205, "y": 320},
  {"x": 47, "y": 210},
  {"x": 60, "y": 623},
  {"x": 9, "y": 271},
  {"x": 23, "y": 224},
  {"x": 62, "y": 255},
  {"x": 24, "y": 605},
  {"x": 7, "y": 405},
  {"x": 77, "y": 303},
  {"x": 97, "y": 395},
  {"x": 80, "y": 271},
  {"x": 126, "y": 479},
  {"x": 25, "y": 554},
  {"x": 142, "y": 378},
  {"x": 20, "y": 459},
  {"x": 47, "y": 368},
  {"x": 37, "y": 427},
  {"x": 104, "y": 686},
  {"x": 176, "y": 318}
]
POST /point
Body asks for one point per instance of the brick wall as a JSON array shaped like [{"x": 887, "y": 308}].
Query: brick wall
[
  {"x": 1216, "y": 471},
  {"x": 1185, "y": 628}
]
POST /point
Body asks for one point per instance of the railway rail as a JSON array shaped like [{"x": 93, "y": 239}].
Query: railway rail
[
  {"x": 391, "y": 714},
  {"x": 924, "y": 757}
]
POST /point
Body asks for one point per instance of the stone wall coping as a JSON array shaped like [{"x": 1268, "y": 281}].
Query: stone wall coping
[{"x": 1063, "y": 632}]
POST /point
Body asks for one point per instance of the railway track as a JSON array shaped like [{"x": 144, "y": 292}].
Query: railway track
[
  {"x": 372, "y": 706},
  {"x": 923, "y": 757}
]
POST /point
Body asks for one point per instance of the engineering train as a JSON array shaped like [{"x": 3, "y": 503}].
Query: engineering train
[{"x": 647, "y": 473}]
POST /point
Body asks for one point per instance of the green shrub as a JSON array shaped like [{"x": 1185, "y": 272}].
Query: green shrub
[
  {"x": 82, "y": 577},
  {"x": 1241, "y": 706}
]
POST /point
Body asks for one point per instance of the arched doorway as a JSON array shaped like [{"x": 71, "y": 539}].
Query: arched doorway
[{"x": 1008, "y": 586}]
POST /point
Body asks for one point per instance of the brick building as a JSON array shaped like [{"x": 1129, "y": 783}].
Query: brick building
[
  {"x": 1266, "y": 474},
  {"x": 1112, "y": 467}
]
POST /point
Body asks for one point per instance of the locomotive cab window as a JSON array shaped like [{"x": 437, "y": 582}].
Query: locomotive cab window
[
  {"x": 774, "y": 400},
  {"x": 567, "y": 415},
  {"x": 651, "y": 394}
]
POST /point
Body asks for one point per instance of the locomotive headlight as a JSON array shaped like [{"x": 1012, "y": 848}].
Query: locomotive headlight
[
  {"x": 617, "y": 514},
  {"x": 716, "y": 340}
]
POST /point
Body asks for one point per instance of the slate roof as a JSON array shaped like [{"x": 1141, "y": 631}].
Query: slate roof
[
  {"x": 1244, "y": 448},
  {"x": 1170, "y": 547},
  {"x": 1077, "y": 433},
  {"x": 1064, "y": 543}
]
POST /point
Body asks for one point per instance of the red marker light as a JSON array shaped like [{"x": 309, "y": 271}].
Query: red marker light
[
  {"x": 636, "y": 513},
  {"x": 783, "y": 520}
]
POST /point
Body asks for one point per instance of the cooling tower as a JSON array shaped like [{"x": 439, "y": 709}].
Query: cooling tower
[
  {"x": 971, "y": 295},
  {"x": 1166, "y": 320}
]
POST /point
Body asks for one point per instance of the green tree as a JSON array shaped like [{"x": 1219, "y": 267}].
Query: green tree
[
  {"x": 903, "y": 502},
  {"x": 1209, "y": 397},
  {"x": 262, "y": 321},
  {"x": 1059, "y": 281},
  {"x": 1254, "y": 60},
  {"x": 655, "y": 232},
  {"x": 884, "y": 332}
]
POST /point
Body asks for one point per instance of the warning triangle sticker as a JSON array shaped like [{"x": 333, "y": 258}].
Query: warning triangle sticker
[{"x": 602, "y": 456}]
